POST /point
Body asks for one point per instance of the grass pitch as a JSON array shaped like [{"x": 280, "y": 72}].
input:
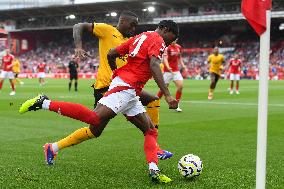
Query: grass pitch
[{"x": 221, "y": 132}]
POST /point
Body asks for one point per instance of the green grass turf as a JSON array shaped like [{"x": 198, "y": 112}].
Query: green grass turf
[{"x": 221, "y": 132}]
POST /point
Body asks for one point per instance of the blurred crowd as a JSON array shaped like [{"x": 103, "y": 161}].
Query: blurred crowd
[
  {"x": 196, "y": 60},
  {"x": 58, "y": 55}
]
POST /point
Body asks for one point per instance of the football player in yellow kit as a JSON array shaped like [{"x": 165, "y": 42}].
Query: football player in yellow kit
[{"x": 215, "y": 60}]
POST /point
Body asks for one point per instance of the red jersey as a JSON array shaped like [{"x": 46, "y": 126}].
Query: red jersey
[
  {"x": 139, "y": 49},
  {"x": 172, "y": 53},
  {"x": 235, "y": 65},
  {"x": 41, "y": 67},
  {"x": 7, "y": 62}
]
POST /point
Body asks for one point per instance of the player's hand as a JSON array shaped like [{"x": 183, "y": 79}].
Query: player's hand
[
  {"x": 81, "y": 54},
  {"x": 173, "y": 103}
]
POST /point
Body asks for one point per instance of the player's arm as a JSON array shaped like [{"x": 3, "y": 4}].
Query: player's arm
[
  {"x": 78, "y": 30},
  {"x": 158, "y": 77},
  {"x": 13, "y": 63},
  {"x": 166, "y": 62},
  {"x": 208, "y": 62},
  {"x": 180, "y": 61},
  {"x": 222, "y": 64},
  {"x": 111, "y": 57},
  {"x": 119, "y": 51}
]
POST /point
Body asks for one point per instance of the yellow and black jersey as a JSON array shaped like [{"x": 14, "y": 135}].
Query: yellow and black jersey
[
  {"x": 215, "y": 62},
  {"x": 109, "y": 37},
  {"x": 16, "y": 66}
]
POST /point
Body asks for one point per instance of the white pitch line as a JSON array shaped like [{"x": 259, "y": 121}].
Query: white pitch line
[{"x": 229, "y": 103}]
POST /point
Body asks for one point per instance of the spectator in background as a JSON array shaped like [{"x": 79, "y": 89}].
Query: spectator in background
[
  {"x": 73, "y": 71},
  {"x": 41, "y": 72}
]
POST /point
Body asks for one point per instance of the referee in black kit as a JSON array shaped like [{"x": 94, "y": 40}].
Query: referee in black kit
[{"x": 73, "y": 71}]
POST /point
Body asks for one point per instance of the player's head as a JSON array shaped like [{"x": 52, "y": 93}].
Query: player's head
[
  {"x": 169, "y": 31},
  {"x": 216, "y": 50},
  {"x": 236, "y": 56},
  {"x": 127, "y": 23},
  {"x": 7, "y": 51}
]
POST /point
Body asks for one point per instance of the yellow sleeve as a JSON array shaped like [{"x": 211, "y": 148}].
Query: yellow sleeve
[
  {"x": 101, "y": 29},
  {"x": 223, "y": 58},
  {"x": 209, "y": 59}
]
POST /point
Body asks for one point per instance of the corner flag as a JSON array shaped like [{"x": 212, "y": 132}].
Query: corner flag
[
  {"x": 258, "y": 14},
  {"x": 255, "y": 13}
]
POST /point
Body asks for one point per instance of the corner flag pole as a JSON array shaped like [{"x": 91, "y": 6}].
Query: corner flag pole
[{"x": 262, "y": 104}]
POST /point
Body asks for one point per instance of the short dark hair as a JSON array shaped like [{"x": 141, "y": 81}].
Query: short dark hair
[
  {"x": 128, "y": 14},
  {"x": 171, "y": 25}
]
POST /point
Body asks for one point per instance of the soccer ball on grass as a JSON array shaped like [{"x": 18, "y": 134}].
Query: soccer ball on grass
[{"x": 190, "y": 166}]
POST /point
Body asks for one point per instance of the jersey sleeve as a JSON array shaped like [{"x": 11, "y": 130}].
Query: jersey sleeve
[
  {"x": 101, "y": 29},
  {"x": 123, "y": 48},
  {"x": 223, "y": 58},
  {"x": 209, "y": 59},
  {"x": 156, "y": 48}
]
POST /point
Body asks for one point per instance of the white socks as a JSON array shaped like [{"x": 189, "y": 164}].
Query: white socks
[
  {"x": 45, "y": 104},
  {"x": 153, "y": 166},
  {"x": 55, "y": 147}
]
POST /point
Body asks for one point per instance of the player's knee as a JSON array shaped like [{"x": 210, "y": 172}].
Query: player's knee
[
  {"x": 95, "y": 130},
  {"x": 180, "y": 88},
  {"x": 129, "y": 118},
  {"x": 151, "y": 131}
]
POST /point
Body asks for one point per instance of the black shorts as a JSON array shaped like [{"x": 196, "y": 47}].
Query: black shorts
[
  {"x": 73, "y": 76},
  {"x": 214, "y": 77},
  {"x": 98, "y": 94}
]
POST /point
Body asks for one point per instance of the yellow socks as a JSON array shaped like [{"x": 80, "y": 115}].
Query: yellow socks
[
  {"x": 153, "y": 111},
  {"x": 77, "y": 137}
]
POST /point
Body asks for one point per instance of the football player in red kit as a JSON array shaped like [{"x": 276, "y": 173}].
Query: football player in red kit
[
  {"x": 235, "y": 72},
  {"x": 7, "y": 70},
  {"x": 171, "y": 59}
]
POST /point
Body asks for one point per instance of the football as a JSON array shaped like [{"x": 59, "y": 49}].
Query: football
[{"x": 190, "y": 166}]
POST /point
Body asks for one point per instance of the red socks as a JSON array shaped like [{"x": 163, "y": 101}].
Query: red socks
[
  {"x": 178, "y": 95},
  {"x": 160, "y": 94},
  {"x": 75, "y": 111},
  {"x": 1, "y": 84},
  {"x": 237, "y": 86},
  {"x": 150, "y": 145},
  {"x": 12, "y": 86}
]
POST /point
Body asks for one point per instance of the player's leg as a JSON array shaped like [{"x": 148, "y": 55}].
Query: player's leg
[
  {"x": 152, "y": 103},
  {"x": 76, "y": 84},
  {"x": 16, "y": 81},
  {"x": 70, "y": 83},
  {"x": 3, "y": 75},
  {"x": 179, "y": 87},
  {"x": 178, "y": 80},
  {"x": 11, "y": 79},
  {"x": 68, "y": 109},
  {"x": 143, "y": 122},
  {"x": 103, "y": 115},
  {"x": 12, "y": 87},
  {"x": 232, "y": 87},
  {"x": 237, "y": 83},
  {"x": 98, "y": 94},
  {"x": 232, "y": 78},
  {"x": 43, "y": 80},
  {"x": 212, "y": 86},
  {"x": 1, "y": 83}
]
